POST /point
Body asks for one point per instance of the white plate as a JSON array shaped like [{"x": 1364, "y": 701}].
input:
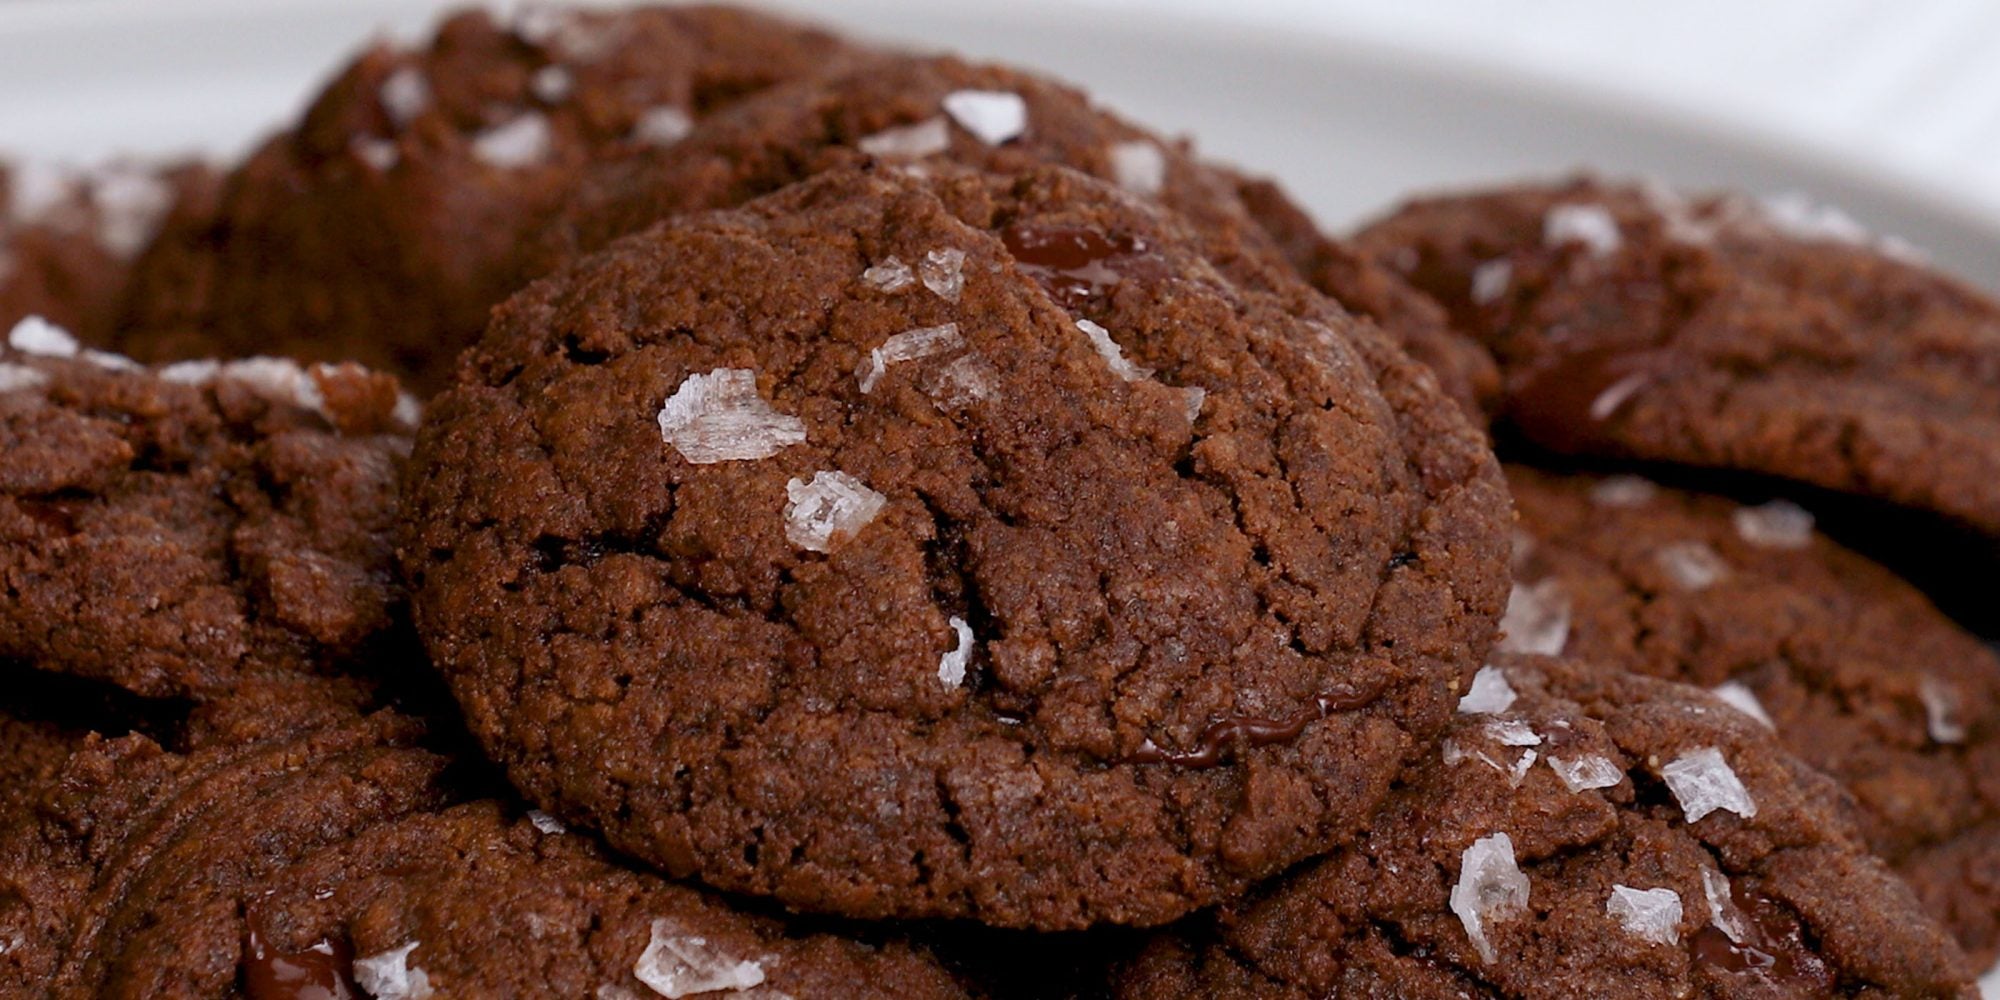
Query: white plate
[{"x": 1349, "y": 127}]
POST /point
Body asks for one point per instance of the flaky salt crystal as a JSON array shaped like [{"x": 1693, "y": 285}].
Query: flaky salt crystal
[
  {"x": 718, "y": 417},
  {"x": 1195, "y": 396},
  {"x": 1590, "y": 225},
  {"x": 951, "y": 666},
  {"x": 130, "y": 203},
  {"x": 110, "y": 360},
  {"x": 552, "y": 84},
  {"x": 910, "y": 345},
  {"x": 546, "y": 823},
  {"x": 35, "y": 335},
  {"x": 1491, "y": 888},
  {"x": 1779, "y": 524},
  {"x": 561, "y": 30},
  {"x": 1491, "y": 280},
  {"x": 1113, "y": 355},
  {"x": 1537, "y": 619},
  {"x": 1651, "y": 915},
  {"x": 1702, "y": 782},
  {"x": 833, "y": 505},
  {"x": 390, "y": 976},
  {"x": 1942, "y": 711},
  {"x": 280, "y": 380},
  {"x": 16, "y": 378},
  {"x": 1623, "y": 491},
  {"x": 381, "y": 154},
  {"x": 198, "y": 372},
  {"x": 1139, "y": 166},
  {"x": 1489, "y": 694},
  {"x": 662, "y": 125},
  {"x": 1520, "y": 769},
  {"x": 676, "y": 965},
  {"x": 409, "y": 410},
  {"x": 1692, "y": 565},
  {"x": 1513, "y": 733},
  {"x": 943, "y": 272},
  {"x": 523, "y": 141},
  {"x": 909, "y": 142},
  {"x": 963, "y": 380},
  {"x": 37, "y": 190},
  {"x": 1797, "y": 215},
  {"x": 892, "y": 275},
  {"x": 1738, "y": 696},
  {"x": 1722, "y": 909},
  {"x": 405, "y": 95},
  {"x": 1586, "y": 772},
  {"x": 995, "y": 116}
]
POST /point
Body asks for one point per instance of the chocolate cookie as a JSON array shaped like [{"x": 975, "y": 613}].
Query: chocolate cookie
[
  {"x": 1775, "y": 339},
  {"x": 914, "y": 111},
  {"x": 68, "y": 237},
  {"x": 175, "y": 530},
  {"x": 385, "y": 224},
  {"x": 1856, "y": 672},
  {"x": 966, "y": 547},
  {"x": 342, "y": 858},
  {"x": 1581, "y": 833}
]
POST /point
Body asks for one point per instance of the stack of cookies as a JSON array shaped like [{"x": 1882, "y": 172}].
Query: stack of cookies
[{"x": 673, "y": 503}]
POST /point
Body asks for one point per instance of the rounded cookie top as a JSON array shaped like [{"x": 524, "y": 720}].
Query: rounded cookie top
[
  {"x": 1777, "y": 339},
  {"x": 968, "y": 547},
  {"x": 1581, "y": 833},
  {"x": 336, "y": 850},
  {"x": 912, "y": 111},
  {"x": 174, "y": 530},
  {"x": 1853, "y": 669},
  {"x": 384, "y": 225}
]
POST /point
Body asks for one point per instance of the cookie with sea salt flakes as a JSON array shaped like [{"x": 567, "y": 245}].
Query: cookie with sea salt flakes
[
  {"x": 1856, "y": 672},
  {"x": 174, "y": 530},
  {"x": 1778, "y": 339},
  {"x": 295, "y": 846},
  {"x": 912, "y": 111},
  {"x": 382, "y": 226},
  {"x": 873, "y": 549},
  {"x": 1580, "y": 833}
]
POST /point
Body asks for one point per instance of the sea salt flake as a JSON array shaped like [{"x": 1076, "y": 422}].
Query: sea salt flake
[
  {"x": 1490, "y": 694},
  {"x": 37, "y": 190},
  {"x": 1942, "y": 711},
  {"x": 909, "y": 142},
  {"x": 552, "y": 84},
  {"x": 963, "y": 380},
  {"x": 1193, "y": 397},
  {"x": 1702, "y": 782},
  {"x": 892, "y": 275},
  {"x": 130, "y": 203},
  {"x": 1779, "y": 524},
  {"x": 110, "y": 360},
  {"x": 1722, "y": 909},
  {"x": 546, "y": 823},
  {"x": 35, "y": 335},
  {"x": 677, "y": 965},
  {"x": 1520, "y": 769},
  {"x": 943, "y": 272},
  {"x": 951, "y": 666},
  {"x": 522, "y": 141},
  {"x": 1623, "y": 492},
  {"x": 718, "y": 417},
  {"x": 1651, "y": 915},
  {"x": 280, "y": 380},
  {"x": 662, "y": 125},
  {"x": 832, "y": 505},
  {"x": 1513, "y": 733},
  {"x": 1591, "y": 225},
  {"x": 1491, "y": 280},
  {"x": 910, "y": 345},
  {"x": 1692, "y": 565},
  {"x": 390, "y": 976},
  {"x": 405, "y": 95},
  {"x": 1537, "y": 619},
  {"x": 198, "y": 372},
  {"x": 1491, "y": 888},
  {"x": 16, "y": 378},
  {"x": 409, "y": 410},
  {"x": 995, "y": 116},
  {"x": 563, "y": 31},
  {"x": 381, "y": 154},
  {"x": 1139, "y": 166},
  {"x": 1586, "y": 772},
  {"x": 1737, "y": 695},
  {"x": 1113, "y": 355},
  {"x": 1797, "y": 215}
]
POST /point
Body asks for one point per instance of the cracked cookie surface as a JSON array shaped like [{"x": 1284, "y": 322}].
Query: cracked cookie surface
[{"x": 956, "y": 547}]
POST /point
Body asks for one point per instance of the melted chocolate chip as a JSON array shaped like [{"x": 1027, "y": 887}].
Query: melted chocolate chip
[
  {"x": 324, "y": 970},
  {"x": 1073, "y": 263},
  {"x": 1248, "y": 731},
  {"x": 1776, "y": 950},
  {"x": 1566, "y": 404}
]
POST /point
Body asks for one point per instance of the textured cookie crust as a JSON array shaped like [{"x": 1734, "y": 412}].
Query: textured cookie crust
[
  {"x": 1606, "y": 890},
  {"x": 900, "y": 110},
  {"x": 1775, "y": 339},
  {"x": 175, "y": 530},
  {"x": 1134, "y": 587},
  {"x": 384, "y": 225},
  {"x": 1857, "y": 673},
  {"x": 305, "y": 840}
]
